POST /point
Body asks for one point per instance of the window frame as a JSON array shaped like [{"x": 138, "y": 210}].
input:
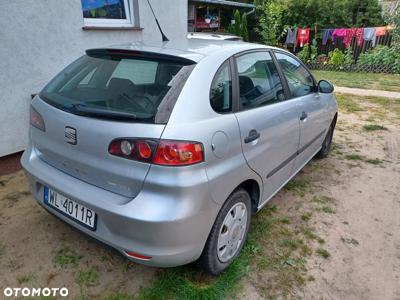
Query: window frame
[
  {"x": 235, "y": 79},
  {"x": 291, "y": 96},
  {"x": 132, "y": 18}
]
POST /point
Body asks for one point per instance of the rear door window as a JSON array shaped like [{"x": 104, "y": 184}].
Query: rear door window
[
  {"x": 113, "y": 86},
  {"x": 259, "y": 81}
]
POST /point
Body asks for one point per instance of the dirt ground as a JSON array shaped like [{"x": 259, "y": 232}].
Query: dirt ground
[
  {"x": 360, "y": 227},
  {"x": 351, "y": 200},
  {"x": 363, "y": 236},
  {"x": 38, "y": 250}
]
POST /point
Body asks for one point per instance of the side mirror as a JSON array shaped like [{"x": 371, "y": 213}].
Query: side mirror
[{"x": 325, "y": 87}]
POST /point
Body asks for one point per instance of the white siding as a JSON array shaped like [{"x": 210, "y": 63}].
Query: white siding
[{"x": 40, "y": 37}]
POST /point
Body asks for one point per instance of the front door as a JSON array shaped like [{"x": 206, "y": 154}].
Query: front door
[
  {"x": 269, "y": 124},
  {"x": 312, "y": 113}
]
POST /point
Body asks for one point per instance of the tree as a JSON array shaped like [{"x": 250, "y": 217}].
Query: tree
[
  {"x": 365, "y": 13},
  {"x": 394, "y": 22},
  {"x": 270, "y": 22},
  {"x": 245, "y": 31},
  {"x": 276, "y": 15},
  {"x": 238, "y": 23}
]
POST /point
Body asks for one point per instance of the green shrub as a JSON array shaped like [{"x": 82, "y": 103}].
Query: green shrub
[
  {"x": 349, "y": 60},
  {"x": 336, "y": 58},
  {"x": 339, "y": 59},
  {"x": 308, "y": 55},
  {"x": 382, "y": 56}
]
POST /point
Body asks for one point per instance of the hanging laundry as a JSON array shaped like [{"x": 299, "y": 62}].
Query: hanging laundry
[
  {"x": 338, "y": 33},
  {"x": 353, "y": 32},
  {"x": 303, "y": 37},
  {"x": 291, "y": 36},
  {"x": 359, "y": 36},
  {"x": 370, "y": 35},
  {"x": 379, "y": 31},
  {"x": 327, "y": 35}
]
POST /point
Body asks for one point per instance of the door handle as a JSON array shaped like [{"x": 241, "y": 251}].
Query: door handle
[
  {"x": 303, "y": 116},
  {"x": 253, "y": 135}
]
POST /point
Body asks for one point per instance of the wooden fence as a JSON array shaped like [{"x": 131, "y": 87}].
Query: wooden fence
[{"x": 384, "y": 40}]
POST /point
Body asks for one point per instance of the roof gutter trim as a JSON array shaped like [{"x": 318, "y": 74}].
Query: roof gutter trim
[{"x": 225, "y": 2}]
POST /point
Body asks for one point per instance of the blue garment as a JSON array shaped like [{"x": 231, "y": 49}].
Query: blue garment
[
  {"x": 291, "y": 36},
  {"x": 370, "y": 35},
  {"x": 327, "y": 35}
]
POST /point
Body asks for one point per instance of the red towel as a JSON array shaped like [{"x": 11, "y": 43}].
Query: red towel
[
  {"x": 350, "y": 33},
  {"x": 379, "y": 31},
  {"x": 303, "y": 36}
]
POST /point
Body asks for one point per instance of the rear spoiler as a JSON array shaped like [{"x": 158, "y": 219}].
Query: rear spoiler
[{"x": 145, "y": 55}]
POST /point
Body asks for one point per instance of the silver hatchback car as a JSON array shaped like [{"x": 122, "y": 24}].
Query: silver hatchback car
[{"x": 164, "y": 151}]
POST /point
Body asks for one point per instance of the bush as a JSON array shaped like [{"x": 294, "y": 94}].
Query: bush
[
  {"x": 307, "y": 54},
  {"x": 337, "y": 58},
  {"x": 382, "y": 56}
]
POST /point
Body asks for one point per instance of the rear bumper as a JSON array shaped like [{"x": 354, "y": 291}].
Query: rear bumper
[{"x": 169, "y": 220}]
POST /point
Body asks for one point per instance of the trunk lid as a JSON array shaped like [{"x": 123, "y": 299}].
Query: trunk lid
[{"x": 89, "y": 159}]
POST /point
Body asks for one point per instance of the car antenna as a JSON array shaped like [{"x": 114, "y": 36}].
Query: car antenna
[{"x": 164, "y": 38}]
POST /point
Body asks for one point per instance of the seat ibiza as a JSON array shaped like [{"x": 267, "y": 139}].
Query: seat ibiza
[{"x": 164, "y": 151}]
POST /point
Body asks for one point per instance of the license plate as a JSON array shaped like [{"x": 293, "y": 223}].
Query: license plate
[{"x": 71, "y": 209}]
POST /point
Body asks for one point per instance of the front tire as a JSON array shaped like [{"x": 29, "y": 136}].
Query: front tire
[
  {"x": 327, "y": 143},
  {"x": 228, "y": 234}
]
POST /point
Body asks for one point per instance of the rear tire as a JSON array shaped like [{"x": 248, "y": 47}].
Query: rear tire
[
  {"x": 327, "y": 143},
  {"x": 228, "y": 233}
]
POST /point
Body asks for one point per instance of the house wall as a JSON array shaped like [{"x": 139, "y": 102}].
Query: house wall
[{"x": 38, "y": 38}]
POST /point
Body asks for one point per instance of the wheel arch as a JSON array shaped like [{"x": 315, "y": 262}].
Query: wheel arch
[{"x": 252, "y": 187}]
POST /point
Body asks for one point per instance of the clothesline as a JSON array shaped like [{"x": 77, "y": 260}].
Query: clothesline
[{"x": 301, "y": 36}]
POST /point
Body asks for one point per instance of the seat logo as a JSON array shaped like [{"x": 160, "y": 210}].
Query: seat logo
[{"x": 70, "y": 135}]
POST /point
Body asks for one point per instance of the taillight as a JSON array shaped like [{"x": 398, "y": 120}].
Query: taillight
[
  {"x": 37, "y": 120},
  {"x": 178, "y": 153},
  {"x": 135, "y": 149},
  {"x": 164, "y": 152}
]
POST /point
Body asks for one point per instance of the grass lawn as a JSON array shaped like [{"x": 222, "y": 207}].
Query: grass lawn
[{"x": 386, "y": 82}]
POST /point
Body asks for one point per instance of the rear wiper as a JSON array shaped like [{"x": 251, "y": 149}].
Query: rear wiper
[{"x": 102, "y": 113}]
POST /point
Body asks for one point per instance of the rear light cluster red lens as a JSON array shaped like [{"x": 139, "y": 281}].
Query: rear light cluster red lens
[
  {"x": 174, "y": 153},
  {"x": 37, "y": 120},
  {"x": 164, "y": 152},
  {"x": 141, "y": 150}
]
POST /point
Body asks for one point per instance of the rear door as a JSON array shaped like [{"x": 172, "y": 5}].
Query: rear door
[
  {"x": 311, "y": 108},
  {"x": 269, "y": 124},
  {"x": 102, "y": 97}
]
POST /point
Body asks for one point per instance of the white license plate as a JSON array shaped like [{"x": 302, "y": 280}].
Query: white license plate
[{"x": 71, "y": 209}]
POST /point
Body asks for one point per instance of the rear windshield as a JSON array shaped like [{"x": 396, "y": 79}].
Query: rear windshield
[{"x": 117, "y": 87}]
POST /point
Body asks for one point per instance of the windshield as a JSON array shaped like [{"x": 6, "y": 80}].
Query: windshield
[{"x": 116, "y": 87}]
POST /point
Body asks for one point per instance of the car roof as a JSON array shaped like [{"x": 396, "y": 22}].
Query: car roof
[{"x": 192, "y": 49}]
